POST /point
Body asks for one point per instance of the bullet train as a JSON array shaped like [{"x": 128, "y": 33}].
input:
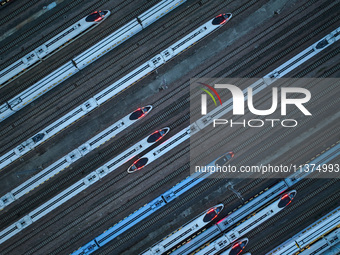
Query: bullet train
[
  {"x": 315, "y": 239},
  {"x": 75, "y": 188},
  {"x": 158, "y": 152},
  {"x": 249, "y": 224},
  {"x": 51, "y": 46},
  {"x": 64, "y": 162},
  {"x": 185, "y": 231},
  {"x": 325, "y": 244},
  {"x": 82, "y": 60},
  {"x": 192, "y": 181}
]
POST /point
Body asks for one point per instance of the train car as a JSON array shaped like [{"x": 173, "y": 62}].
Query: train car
[
  {"x": 68, "y": 35},
  {"x": 41, "y": 87},
  {"x": 261, "y": 216},
  {"x": 185, "y": 231},
  {"x": 51, "y": 46},
  {"x": 325, "y": 243},
  {"x": 158, "y": 11},
  {"x": 303, "y": 56},
  {"x": 195, "y": 36},
  {"x": 310, "y": 234},
  {"x": 245, "y": 227},
  {"x": 107, "y": 44},
  {"x": 121, "y": 226},
  {"x": 253, "y": 205}
]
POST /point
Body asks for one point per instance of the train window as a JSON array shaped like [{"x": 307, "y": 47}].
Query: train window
[
  {"x": 139, "y": 113},
  {"x": 220, "y": 19},
  {"x": 237, "y": 249},
  {"x": 322, "y": 44},
  {"x": 157, "y": 135},
  {"x": 210, "y": 215},
  {"x": 139, "y": 164},
  {"x": 286, "y": 200},
  {"x": 95, "y": 16}
]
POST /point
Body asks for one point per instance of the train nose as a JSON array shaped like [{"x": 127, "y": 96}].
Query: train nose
[
  {"x": 221, "y": 19},
  {"x": 157, "y": 135},
  {"x": 287, "y": 198},
  {"x": 140, "y": 112}
]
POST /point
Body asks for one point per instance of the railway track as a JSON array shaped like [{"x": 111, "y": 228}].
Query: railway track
[
  {"x": 328, "y": 202},
  {"x": 15, "y": 88},
  {"x": 17, "y": 11},
  {"x": 132, "y": 185},
  {"x": 118, "y": 243},
  {"x": 167, "y": 97},
  {"x": 20, "y": 137},
  {"x": 183, "y": 154},
  {"x": 155, "y": 120},
  {"x": 178, "y": 105},
  {"x": 62, "y": 12},
  {"x": 94, "y": 89},
  {"x": 67, "y": 178}
]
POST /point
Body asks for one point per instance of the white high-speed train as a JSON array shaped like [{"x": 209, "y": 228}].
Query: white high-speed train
[
  {"x": 191, "y": 181},
  {"x": 76, "y": 154},
  {"x": 79, "y": 186},
  {"x": 325, "y": 244},
  {"x": 51, "y": 46},
  {"x": 185, "y": 231},
  {"x": 245, "y": 227},
  {"x": 326, "y": 228}
]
